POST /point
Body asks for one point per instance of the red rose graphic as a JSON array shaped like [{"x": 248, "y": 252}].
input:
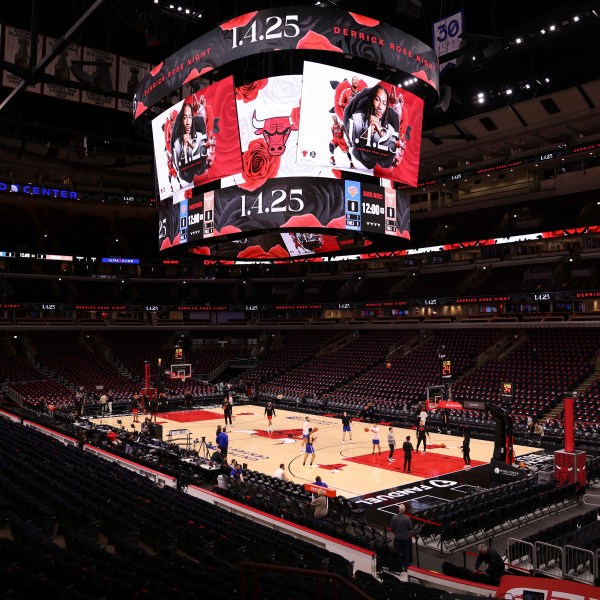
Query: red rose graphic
[
  {"x": 303, "y": 222},
  {"x": 205, "y": 250},
  {"x": 166, "y": 243},
  {"x": 140, "y": 109},
  {"x": 195, "y": 73},
  {"x": 295, "y": 116},
  {"x": 249, "y": 91},
  {"x": 315, "y": 41},
  {"x": 238, "y": 21},
  {"x": 258, "y": 165},
  {"x": 228, "y": 230},
  {"x": 258, "y": 252},
  {"x": 424, "y": 77},
  {"x": 156, "y": 70},
  {"x": 362, "y": 20}
]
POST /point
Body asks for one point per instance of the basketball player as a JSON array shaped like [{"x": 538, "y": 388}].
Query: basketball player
[
  {"x": 310, "y": 448},
  {"x": 375, "y": 431},
  {"x": 135, "y": 407},
  {"x": 349, "y": 93},
  {"x": 228, "y": 410},
  {"x": 168, "y": 131},
  {"x": 422, "y": 434},
  {"x": 408, "y": 450},
  {"x": 346, "y": 420},
  {"x": 305, "y": 430},
  {"x": 466, "y": 451},
  {"x": 270, "y": 412},
  {"x": 391, "y": 443},
  {"x": 339, "y": 135}
]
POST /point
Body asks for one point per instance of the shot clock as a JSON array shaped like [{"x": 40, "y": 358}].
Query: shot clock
[{"x": 446, "y": 369}]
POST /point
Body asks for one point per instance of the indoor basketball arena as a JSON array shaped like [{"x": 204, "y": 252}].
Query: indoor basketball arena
[{"x": 299, "y": 300}]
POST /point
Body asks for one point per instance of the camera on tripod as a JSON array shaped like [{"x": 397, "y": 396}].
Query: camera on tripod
[{"x": 203, "y": 449}]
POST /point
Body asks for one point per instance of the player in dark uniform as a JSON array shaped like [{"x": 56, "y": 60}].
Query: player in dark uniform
[
  {"x": 270, "y": 412},
  {"x": 228, "y": 410},
  {"x": 408, "y": 450},
  {"x": 339, "y": 135},
  {"x": 422, "y": 434}
]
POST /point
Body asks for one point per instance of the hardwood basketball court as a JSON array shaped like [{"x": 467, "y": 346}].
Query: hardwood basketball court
[{"x": 350, "y": 468}]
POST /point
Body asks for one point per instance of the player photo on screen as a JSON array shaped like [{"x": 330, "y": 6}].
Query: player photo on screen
[
  {"x": 196, "y": 141},
  {"x": 358, "y": 123},
  {"x": 269, "y": 116}
]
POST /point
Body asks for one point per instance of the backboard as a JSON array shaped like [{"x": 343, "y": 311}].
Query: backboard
[{"x": 181, "y": 371}]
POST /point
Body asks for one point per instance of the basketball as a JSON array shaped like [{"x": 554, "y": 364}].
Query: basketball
[
  {"x": 366, "y": 429},
  {"x": 315, "y": 429},
  {"x": 442, "y": 445}
]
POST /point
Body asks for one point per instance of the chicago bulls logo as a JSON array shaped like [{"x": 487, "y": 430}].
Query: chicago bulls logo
[{"x": 275, "y": 130}]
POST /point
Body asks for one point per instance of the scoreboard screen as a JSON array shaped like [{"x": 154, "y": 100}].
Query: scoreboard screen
[{"x": 281, "y": 207}]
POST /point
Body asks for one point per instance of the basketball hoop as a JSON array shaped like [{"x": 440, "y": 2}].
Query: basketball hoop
[
  {"x": 431, "y": 403},
  {"x": 434, "y": 394},
  {"x": 179, "y": 375},
  {"x": 180, "y": 371}
]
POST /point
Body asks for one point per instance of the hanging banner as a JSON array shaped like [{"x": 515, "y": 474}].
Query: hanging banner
[
  {"x": 17, "y": 49},
  {"x": 131, "y": 72},
  {"x": 446, "y": 37},
  {"x": 104, "y": 76},
  {"x": 61, "y": 67}
]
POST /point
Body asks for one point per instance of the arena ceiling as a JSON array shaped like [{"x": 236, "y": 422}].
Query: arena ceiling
[{"x": 554, "y": 97}]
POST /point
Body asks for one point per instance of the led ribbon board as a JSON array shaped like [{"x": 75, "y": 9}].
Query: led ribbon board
[
  {"x": 286, "y": 218},
  {"x": 291, "y": 28}
]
